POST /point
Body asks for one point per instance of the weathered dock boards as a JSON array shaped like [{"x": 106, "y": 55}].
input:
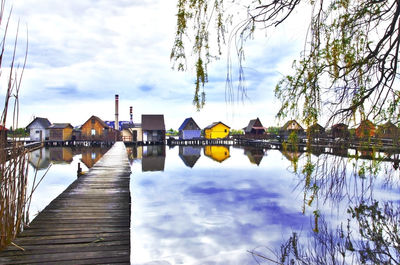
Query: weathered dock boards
[{"x": 89, "y": 223}]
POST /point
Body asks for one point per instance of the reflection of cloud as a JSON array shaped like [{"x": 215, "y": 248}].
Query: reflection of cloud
[{"x": 209, "y": 215}]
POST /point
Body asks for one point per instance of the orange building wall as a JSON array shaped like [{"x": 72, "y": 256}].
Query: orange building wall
[{"x": 88, "y": 126}]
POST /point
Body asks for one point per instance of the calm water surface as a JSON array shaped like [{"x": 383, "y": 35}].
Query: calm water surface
[
  {"x": 216, "y": 204},
  {"x": 61, "y": 165}
]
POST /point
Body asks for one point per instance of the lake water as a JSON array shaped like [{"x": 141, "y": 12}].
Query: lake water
[{"x": 224, "y": 205}]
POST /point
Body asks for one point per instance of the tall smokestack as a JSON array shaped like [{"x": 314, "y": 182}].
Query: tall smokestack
[
  {"x": 116, "y": 113},
  {"x": 131, "y": 113}
]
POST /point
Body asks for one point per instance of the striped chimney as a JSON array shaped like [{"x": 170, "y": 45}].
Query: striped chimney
[{"x": 116, "y": 113}]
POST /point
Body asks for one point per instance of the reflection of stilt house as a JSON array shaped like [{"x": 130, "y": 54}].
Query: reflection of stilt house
[
  {"x": 255, "y": 155},
  {"x": 291, "y": 156},
  {"x": 90, "y": 156},
  {"x": 366, "y": 129},
  {"x": 39, "y": 158},
  {"x": 189, "y": 154},
  {"x": 153, "y": 158},
  {"x": 340, "y": 130},
  {"x": 153, "y": 128},
  {"x": 290, "y": 127},
  {"x": 387, "y": 131},
  {"x": 218, "y": 153},
  {"x": 189, "y": 129},
  {"x": 254, "y": 127},
  {"x": 60, "y": 155}
]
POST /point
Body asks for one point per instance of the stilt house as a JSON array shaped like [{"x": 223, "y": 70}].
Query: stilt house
[
  {"x": 60, "y": 132},
  {"x": 290, "y": 127},
  {"x": 254, "y": 127},
  {"x": 387, "y": 131},
  {"x": 216, "y": 130},
  {"x": 96, "y": 129},
  {"x": 153, "y": 128},
  {"x": 340, "y": 130},
  {"x": 366, "y": 129},
  {"x": 316, "y": 131},
  {"x": 189, "y": 129},
  {"x": 39, "y": 129}
]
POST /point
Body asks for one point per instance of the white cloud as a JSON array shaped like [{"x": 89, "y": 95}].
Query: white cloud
[{"x": 81, "y": 53}]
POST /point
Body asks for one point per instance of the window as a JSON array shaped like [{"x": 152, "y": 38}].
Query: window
[
  {"x": 93, "y": 132},
  {"x": 93, "y": 121},
  {"x": 37, "y": 131},
  {"x": 226, "y": 130}
]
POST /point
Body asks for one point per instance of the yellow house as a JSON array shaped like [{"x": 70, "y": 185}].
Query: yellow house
[
  {"x": 60, "y": 132},
  {"x": 217, "y": 152},
  {"x": 217, "y": 130}
]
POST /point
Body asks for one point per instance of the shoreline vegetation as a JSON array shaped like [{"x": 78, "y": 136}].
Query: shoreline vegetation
[{"x": 13, "y": 157}]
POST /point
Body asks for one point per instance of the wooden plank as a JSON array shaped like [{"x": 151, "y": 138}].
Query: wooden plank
[{"x": 89, "y": 223}]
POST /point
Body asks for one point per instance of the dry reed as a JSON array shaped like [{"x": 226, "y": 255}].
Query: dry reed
[{"x": 13, "y": 157}]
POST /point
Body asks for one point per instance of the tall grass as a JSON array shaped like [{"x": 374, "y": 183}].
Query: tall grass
[{"x": 13, "y": 157}]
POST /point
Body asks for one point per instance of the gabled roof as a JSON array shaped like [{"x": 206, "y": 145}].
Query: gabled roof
[
  {"x": 60, "y": 126},
  {"x": 251, "y": 125},
  {"x": 189, "y": 155},
  {"x": 286, "y": 125},
  {"x": 214, "y": 124},
  {"x": 185, "y": 122},
  {"x": 153, "y": 122},
  {"x": 99, "y": 120},
  {"x": 44, "y": 122},
  {"x": 339, "y": 126},
  {"x": 388, "y": 124}
]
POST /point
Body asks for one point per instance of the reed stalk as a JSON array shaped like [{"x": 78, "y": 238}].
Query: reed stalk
[{"x": 13, "y": 156}]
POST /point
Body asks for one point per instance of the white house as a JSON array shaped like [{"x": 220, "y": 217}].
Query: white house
[{"x": 38, "y": 129}]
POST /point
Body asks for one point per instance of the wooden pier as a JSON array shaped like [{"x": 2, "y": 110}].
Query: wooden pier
[{"x": 89, "y": 223}]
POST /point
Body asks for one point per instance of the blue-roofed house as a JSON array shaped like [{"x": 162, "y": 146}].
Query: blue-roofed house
[{"x": 189, "y": 129}]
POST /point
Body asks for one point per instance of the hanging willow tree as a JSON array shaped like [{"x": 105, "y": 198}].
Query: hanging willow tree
[{"x": 347, "y": 70}]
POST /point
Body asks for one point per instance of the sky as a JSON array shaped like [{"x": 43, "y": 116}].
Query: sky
[{"x": 82, "y": 53}]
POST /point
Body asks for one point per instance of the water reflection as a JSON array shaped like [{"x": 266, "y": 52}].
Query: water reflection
[
  {"x": 153, "y": 158},
  {"x": 254, "y": 154},
  {"x": 91, "y": 155},
  {"x": 218, "y": 153},
  {"x": 63, "y": 171},
  {"x": 200, "y": 212},
  {"x": 189, "y": 154}
]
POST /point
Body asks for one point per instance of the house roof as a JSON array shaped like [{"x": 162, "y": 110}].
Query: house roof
[
  {"x": 44, "y": 122},
  {"x": 185, "y": 122},
  {"x": 339, "y": 125},
  {"x": 214, "y": 124},
  {"x": 388, "y": 124},
  {"x": 153, "y": 122},
  {"x": 60, "y": 126},
  {"x": 99, "y": 120},
  {"x": 286, "y": 125},
  {"x": 2, "y": 128},
  {"x": 251, "y": 125}
]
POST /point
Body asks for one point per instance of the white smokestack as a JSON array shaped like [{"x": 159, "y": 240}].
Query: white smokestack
[{"x": 116, "y": 113}]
